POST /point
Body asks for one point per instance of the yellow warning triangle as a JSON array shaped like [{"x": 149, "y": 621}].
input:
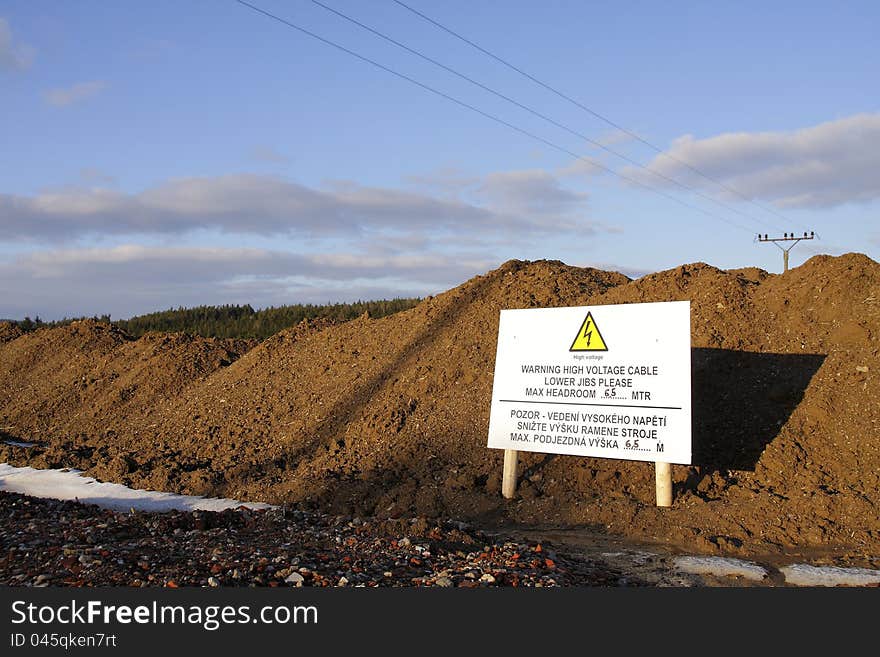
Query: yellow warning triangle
[{"x": 588, "y": 337}]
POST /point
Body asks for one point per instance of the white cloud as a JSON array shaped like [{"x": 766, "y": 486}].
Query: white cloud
[
  {"x": 200, "y": 263},
  {"x": 13, "y": 56},
  {"x": 63, "y": 96},
  {"x": 352, "y": 241},
  {"x": 534, "y": 193},
  {"x": 822, "y": 166},
  {"x": 131, "y": 279},
  {"x": 527, "y": 203}
]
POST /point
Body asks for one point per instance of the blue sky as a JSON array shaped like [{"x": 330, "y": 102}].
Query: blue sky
[{"x": 163, "y": 154}]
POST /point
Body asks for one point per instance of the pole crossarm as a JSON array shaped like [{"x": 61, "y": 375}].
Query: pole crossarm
[{"x": 786, "y": 237}]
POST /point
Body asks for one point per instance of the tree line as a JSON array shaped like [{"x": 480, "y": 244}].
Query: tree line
[{"x": 235, "y": 321}]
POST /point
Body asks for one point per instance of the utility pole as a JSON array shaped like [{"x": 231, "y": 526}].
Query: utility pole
[{"x": 787, "y": 237}]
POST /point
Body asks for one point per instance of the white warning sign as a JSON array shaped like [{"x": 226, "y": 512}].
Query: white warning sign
[{"x": 564, "y": 385}]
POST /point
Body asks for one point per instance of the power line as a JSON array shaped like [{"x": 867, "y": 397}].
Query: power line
[
  {"x": 491, "y": 117},
  {"x": 596, "y": 114},
  {"x": 534, "y": 112}
]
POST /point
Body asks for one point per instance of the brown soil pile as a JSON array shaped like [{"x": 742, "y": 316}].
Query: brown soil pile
[
  {"x": 43, "y": 372},
  {"x": 9, "y": 331},
  {"x": 77, "y": 386},
  {"x": 389, "y": 417}
]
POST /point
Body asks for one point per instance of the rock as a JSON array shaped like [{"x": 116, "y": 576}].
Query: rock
[
  {"x": 200, "y": 520},
  {"x": 251, "y": 549},
  {"x": 861, "y": 368}
]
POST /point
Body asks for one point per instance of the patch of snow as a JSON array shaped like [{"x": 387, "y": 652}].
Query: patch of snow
[
  {"x": 721, "y": 567},
  {"x": 804, "y": 575},
  {"x": 68, "y": 484},
  {"x": 18, "y": 443}
]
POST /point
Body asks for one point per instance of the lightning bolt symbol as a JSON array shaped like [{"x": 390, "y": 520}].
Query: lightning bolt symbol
[{"x": 588, "y": 334}]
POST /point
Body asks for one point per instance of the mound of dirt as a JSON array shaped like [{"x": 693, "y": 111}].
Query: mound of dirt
[
  {"x": 43, "y": 371},
  {"x": 389, "y": 417},
  {"x": 755, "y": 274},
  {"x": 66, "y": 385},
  {"x": 368, "y": 403},
  {"x": 9, "y": 331}
]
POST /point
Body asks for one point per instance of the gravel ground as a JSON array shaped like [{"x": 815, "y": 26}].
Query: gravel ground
[{"x": 55, "y": 543}]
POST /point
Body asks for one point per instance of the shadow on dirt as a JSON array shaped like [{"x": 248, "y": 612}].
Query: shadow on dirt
[
  {"x": 350, "y": 407},
  {"x": 741, "y": 399}
]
